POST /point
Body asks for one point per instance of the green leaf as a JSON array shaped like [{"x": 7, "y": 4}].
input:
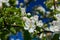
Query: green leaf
[
  {"x": 12, "y": 29},
  {"x": 1, "y": 19}
]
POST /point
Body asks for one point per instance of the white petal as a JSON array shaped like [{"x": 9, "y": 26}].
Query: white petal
[
  {"x": 58, "y": 8},
  {"x": 56, "y": 28},
  {"x": 23, "y": 11},
  {"x": 52, "y": 8},
  {"x": 0, "y": 5},
  {"x": 17, "y": 2},
  {"x": 26, "y": 28},
  {"x": 26, "y": 1},
  {"x": 31, "y": 18},
  {"x": 41, "y": 35},
  {"x": 52, "y": 28},
  {"x": 47, "y": 29},
  {"x": 0, "y": 1},
  {"x": 21, "y": 4},
  {"x": 31, "y": 30},
  {"x": 25, "y": 19},
  {"x": 28, "y": 13},
  {"x": 36, "y": 17},
  {"x": 39, "y": 23},
  {"x": 5, "y": 1},
  {"x": 41, "y": 9},
  {"x": 7, "y": 4}
]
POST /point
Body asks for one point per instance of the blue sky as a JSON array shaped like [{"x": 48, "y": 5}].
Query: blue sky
[{"x": 32, "y": 4}]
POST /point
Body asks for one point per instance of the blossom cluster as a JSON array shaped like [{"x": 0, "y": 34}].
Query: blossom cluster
[
  {"x": 6, "y": 2},
  {"x": 32, "y": 22},
  {"x": 55, "y": 27}
]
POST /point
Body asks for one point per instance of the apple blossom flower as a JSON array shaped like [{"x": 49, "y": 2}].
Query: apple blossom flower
[
  {"x": 58, "y": 8},
  {"x": 21, "y": 4},
  {"x": 7, "y": 4},
  {"x": 39, "y": 23},
  {"x": 27, "y": 24},
  {"x": 5, "y": 1},
  {"x": 41, "y": 9},
  {"x": 26, "y": 1},
  {"x": 57, "y": 16},
  {"x": 31, "y": 18},
  {"x": 56, "y": 0},
  {"x": 0, "y": 1},
  {"x": 41, "y": 35},
  {"x": 17, "y": 2},
  {"x": 55, "y": 27},
  {"x": 30, "y": 25},
  {"x": 0, "y": 5},
  {"x": 51, "y": 28},
  {"x": 28, "y": 14},
  {"x": 23, "y": 12},
  {"x": 47, "y": 29},
  {"x": 25, "y": 18},
  {"x": 52, "y": 8},
  {"x": 31, "y": 30},
  {"x": 48, "y": 12},
  {"x": 35, "y": 17}
]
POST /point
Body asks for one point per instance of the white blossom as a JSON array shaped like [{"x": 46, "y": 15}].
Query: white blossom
[
  {"x": 28, "y": 13},
  {"x": 0, "y": 1},
  {"x": 25, "y": 18},
  {"x": 52, "y": 28},
  {"x": 59, "y": 37},
  {"x": 58, "y": 8},
  {"x": 30, "y": 25},
  {"x": 26, "y": 1},
  {"x": 27, "y": 25},
  {"x": 39, "y": 23},
  {"x": 17, "y": 2},
  {"x": 0, "y": 5},
  {"x": 46, "y": 28},
  {"x": 56, "y": 0},
  {"x": 57, "y": 16},
  {"x": 35, "y": 17},
  {"x": 0, "y": 38},
  {"x": 21, "y": 4},
  {"x": 7, "y": 4},
  {"x": 41, "y": 9},
  {"x": 44, "y": 35},
  {"x": 52, "y": 8},
  {"x": 23, "y": 12},
  {"x": 55, "y": 27},
  {"x": 48, "y": 12},
  {"x": 31, "y": 30},
  {"x": 32, "y": 19},
  {"x": 5, "y": 1},
  {"x": 41, "y": 35}
]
